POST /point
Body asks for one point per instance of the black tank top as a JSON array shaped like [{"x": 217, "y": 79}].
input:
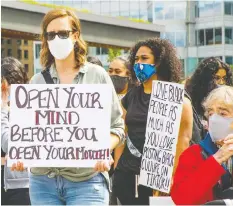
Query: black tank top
[{"x": 136, "y": 103}]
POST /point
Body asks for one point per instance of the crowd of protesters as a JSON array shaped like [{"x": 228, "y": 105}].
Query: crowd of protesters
[{"x": 203, "y": 163}]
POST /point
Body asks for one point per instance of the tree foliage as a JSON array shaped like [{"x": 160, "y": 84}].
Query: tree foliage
[{"x": 113, "y": 53}]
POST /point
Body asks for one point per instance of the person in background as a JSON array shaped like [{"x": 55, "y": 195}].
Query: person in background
[
  {"x": 94, "y": 60},
  {"x": 63, "y": 57},
  {"x": 15, "y": 186},
  {"x": 204, "y": 172},
  {"x": 210, "y": 73},
  {"x": 150, "y": 59},
  {"x": 121, "y": 77}
]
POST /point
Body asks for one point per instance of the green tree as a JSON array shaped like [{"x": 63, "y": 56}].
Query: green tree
[
  {"x": 231, "y": 67},
  {"x": 113, "y": 53}
]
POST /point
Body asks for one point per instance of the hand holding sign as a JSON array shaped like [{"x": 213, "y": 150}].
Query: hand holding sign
[{"x": 102, "y": 166}]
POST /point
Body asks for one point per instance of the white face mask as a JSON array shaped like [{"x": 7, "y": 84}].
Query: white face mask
[
  {"x": 60, "y": 48},
  {"x": 220, "y": 127}
]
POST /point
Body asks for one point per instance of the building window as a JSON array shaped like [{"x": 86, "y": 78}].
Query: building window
[
  {"x": 2, "y": 53},
  {"x": 98, "y": 50},
  {"x": 135, "y": 10},
  {"x": 159, "y": 10},
  {"x": 26, "y": 54},
  {"x": 171, "y": 37},
  {"x": 25, "y": 42},
  {"x": 217, "y": 8},
  {"x": 209, "y": 36},
  {"x": 105, "y": 7},
  {"x": 18, "y": 41},
  {"x": 96, "y": 9},
  {"x": 169, "y": 12},
  {"x": 19, "y": 54},
  {"x": 180, "y": 10},
  {"x": 38, "y": 49},
  {"x": 9, "y": 52},
  {"x": 26, "y": 67},
  {"x": 200, "y": 59},
  {"x": 201, "y": 37},
  {"x": 229, "y": 35},
  {"x": 229, "y": 60},
  {"x": 228, "y": 8},
  {"x": 218, "y": 35},
  {"x": 2, "y": 41},
  {"x": 208, "y": 8},
  {"x": 166, "y": 10},
  {"x": 180, "y": 39},
  {"x": 125, "y": 8},
  {"x": 115, "y": 8},
  {"x": 104, "y": 51},
  {"x": 8, "y": 41},
  {"x": 149, "y": 9}
]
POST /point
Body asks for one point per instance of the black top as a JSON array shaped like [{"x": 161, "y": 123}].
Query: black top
[{"x": 136, "y": 103}]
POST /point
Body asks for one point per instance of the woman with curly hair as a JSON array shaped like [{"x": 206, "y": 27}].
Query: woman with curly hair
[
  {"x": 151, "y": 59},
  {"x": 210, "y": 73}
]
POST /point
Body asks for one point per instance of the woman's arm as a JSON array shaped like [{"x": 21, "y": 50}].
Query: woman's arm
[
  {"x": 117, "y": 123},
  {"x": 185, "y": 132},
  {"x": 119, "y": 150},
  {"x": 4, "y": 129}
]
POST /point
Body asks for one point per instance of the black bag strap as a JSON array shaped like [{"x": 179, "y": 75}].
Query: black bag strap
[
  {"x": 47, "y": 76},
  {"x": 197, "y": 121},
  {"x": 186, "y": 94}
]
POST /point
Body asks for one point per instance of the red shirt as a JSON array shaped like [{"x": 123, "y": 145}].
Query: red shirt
[{"x": 195, "y": 178}]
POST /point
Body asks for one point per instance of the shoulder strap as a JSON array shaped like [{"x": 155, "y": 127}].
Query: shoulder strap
[
  {"x": 47, "y": 76},
  {"x": 198, "y": 129},
  {"x": 186, "y": 94}
]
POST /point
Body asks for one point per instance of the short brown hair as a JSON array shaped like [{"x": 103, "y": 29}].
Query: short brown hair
[{"x": 46, "y": 58}]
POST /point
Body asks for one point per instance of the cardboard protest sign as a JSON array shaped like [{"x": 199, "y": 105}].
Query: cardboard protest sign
[
  {"x": 163, "y": 123},
  {"x": 161, "y": 201},
  {"x": 59, "y": 125}
]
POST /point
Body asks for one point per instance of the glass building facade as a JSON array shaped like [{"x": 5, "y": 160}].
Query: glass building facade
[
  {"x": 136, "y": 9},
  {"x": 173, "y": 15}
]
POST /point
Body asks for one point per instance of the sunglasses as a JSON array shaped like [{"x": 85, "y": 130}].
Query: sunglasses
[
  {"x": 63, "y": 34},
  {"x": 218, "y": 78}
]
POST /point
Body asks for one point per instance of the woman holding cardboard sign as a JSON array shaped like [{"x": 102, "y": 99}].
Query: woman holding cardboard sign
[
  {"x": 63, "y": 56},
  {"x": 151, "y": 59}
]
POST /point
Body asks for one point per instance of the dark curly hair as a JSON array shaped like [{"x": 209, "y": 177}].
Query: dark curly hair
[
  {"x": 12, "y": 70},
  {"x": 169, "y": 66},
  {"x": 94, "y": 60},
  {"x": 202, "y": 81}
]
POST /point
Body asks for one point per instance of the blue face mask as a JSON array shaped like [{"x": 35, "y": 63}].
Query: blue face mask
[{"x": 144, "y": 72}]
